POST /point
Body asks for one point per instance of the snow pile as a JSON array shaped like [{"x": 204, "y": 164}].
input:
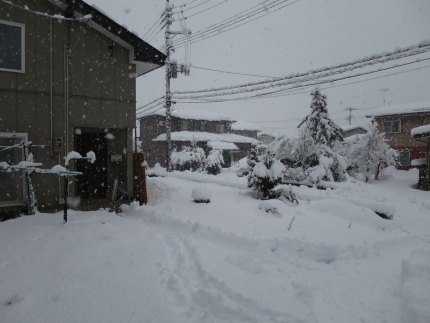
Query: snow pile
[
  {"x": 420, "y": 131},
  {"x": 201, "y": 195},
  {"x": 415, "y": 279}
]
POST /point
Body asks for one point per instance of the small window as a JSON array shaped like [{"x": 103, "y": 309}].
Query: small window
[
  {"x": 221, "y": 128},
  {"x": 185, "y": 125},
  {"x": 203, "y": 125},
  {"x": 161, "y": 123},
  {"x": 12, "y": 47},
  {"x": 404, "y": 158},
  {"x": 392, "y": 126}
]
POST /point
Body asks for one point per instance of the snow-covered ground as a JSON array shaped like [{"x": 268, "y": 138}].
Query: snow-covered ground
[{"x": 328, "y": 259}]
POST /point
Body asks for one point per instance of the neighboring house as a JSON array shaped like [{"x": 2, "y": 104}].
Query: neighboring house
[
  {"x": 70, "y": 84},
  {"x": 206, "y": 132},
  {"x": 396, "y": 123},
  {"x": 265, "y": 138},
  {"x": 348, "y": 131},
  {"x": 422, "y": 134}
]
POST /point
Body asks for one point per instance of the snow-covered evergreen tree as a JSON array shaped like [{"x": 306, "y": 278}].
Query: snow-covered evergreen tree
[
  {"x": 214, "y": 162},
  {"x": 318, "y": 148},
  {"x": 252, "y": 159},
  {"x": 319, "y": 126},
  {"x": 368, "y": 153},
  {"x": 265, "y": 175}
]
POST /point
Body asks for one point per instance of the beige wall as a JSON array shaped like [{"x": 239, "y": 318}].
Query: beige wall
[{"x": 101, "y": 92}]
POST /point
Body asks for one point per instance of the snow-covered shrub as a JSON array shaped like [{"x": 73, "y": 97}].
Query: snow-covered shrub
[
  {"x": 214, "y": 162},
  {"x": 189, "y": 158},
  {"x": 201, "y": 195},
  {"x": 368, "y": 153},
  {"x": 265, "y": 175}
]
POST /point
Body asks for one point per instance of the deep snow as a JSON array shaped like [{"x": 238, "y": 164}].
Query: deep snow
[{"x": 328, "y": 259}]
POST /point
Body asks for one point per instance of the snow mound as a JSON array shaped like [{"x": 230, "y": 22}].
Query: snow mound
[
  {"x": 416, "y": 287},
  {"x": 201, "y": 195}
]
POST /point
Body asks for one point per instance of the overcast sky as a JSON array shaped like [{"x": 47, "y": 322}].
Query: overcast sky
[{"x": 307, "y": 35}]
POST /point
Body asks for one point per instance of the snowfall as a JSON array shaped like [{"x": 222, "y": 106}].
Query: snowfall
[{"x": 329, "y": 258}]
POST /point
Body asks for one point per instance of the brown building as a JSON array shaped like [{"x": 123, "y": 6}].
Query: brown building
[
  {"x": 207, "y": 133},
  {"x": 68, "y": 80},
  {"x": 396, "y": 122}
]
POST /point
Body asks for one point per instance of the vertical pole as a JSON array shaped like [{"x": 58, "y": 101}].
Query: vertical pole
[
  {"x": 168, "y": 103},
  {"x": 66, "y": 193}
]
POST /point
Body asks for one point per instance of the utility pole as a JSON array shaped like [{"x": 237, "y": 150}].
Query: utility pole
[
  {"x": 172, "y": 69},
  {"x": 384, "y": 91},
  {"x": 349, "y": 117},
  {"x": 168, "y": 14}
]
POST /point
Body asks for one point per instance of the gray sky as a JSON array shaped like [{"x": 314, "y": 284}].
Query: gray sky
[{"x": 307, "y": 35}]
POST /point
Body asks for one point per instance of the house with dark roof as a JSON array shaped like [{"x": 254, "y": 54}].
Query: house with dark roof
[
  {"x": 235, "y": 139},
  {"x": 68, "y": 80},
  {"x": 396, "y": 122}
]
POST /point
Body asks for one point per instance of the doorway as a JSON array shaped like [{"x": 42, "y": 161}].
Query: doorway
[{"x": 93, "y": 181}]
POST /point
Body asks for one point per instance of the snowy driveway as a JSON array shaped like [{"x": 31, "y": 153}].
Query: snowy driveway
[{"x": 227, "y": 261}]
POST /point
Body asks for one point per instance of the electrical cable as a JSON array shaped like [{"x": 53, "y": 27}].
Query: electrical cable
[
  {"x": 235, "y": 19},
  {"x": 340, "y": 68}
]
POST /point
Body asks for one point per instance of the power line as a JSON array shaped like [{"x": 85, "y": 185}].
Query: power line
[
  {"x": 207, "y": 9},
  {"x": 229, "y": 72},
  {"x": 325, "y": 71},
  {"x": 233, "y": 21},
  {"x": 223, "y": 22},
  {"x": 293, "y": 89}
]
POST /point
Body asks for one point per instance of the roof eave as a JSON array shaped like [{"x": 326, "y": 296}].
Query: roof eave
[{"x": 146, "y": 57}]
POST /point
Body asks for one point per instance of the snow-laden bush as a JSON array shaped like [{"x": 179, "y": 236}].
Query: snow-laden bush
[
  {"x": 368, "y": 154},
  {"x": 201, "y": 195},
  {"x": 265, "y": 175},
  {"x": 189, "y": 158},
  {"x": 214, "y": 162}
]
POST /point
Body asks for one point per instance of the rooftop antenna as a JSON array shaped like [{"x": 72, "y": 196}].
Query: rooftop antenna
[{"x": 349, "y": 117}]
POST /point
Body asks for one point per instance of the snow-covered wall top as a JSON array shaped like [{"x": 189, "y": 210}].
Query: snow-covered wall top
[
  {"x": 207, "y": 136},
  {"x": 221, "y": 145},
  {"x": 243, "y": 125},
  {"x": 187, "y": 115},
  {"x": 401, "y": 109},
  {"x": 352, "y": 127},
  {"x": 419, "y": 131}
]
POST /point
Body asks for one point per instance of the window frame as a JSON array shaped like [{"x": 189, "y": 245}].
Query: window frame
[
  {"x": 400, "y": 158},
  {"x": 391, "y": 126},
  {"x": 22, "y": 26}
]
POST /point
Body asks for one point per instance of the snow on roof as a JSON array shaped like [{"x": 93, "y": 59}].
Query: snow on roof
[
  {"x": 189, "y": 115},
  {"x": 420, "y": 131},
  {"x": 352, "y": 127},
  {"x": 243, "y": 125},
  {"x": 222, "y": 145},
  {"x": 207, "y": 136},
  {"x": 417, "y": 107}
]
